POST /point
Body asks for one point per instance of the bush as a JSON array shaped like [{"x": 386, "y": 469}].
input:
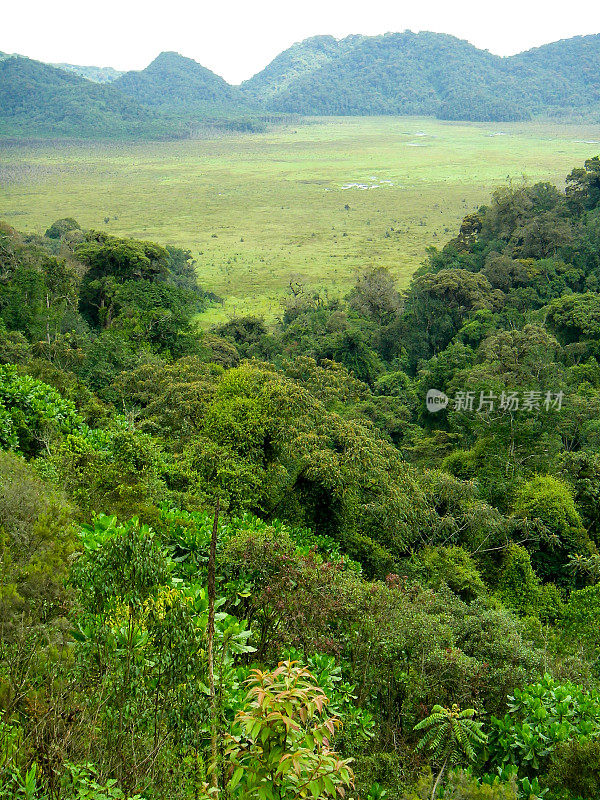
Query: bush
[
  {"x": 520, "y": 590},
  {"x": 541, "y": 717},
  {"x": 550, "y": 502},
  {"x": 36, "y": 539},
  {"x": 62, "y": 226},
  {"x": 581, "y": 620},
  {"x": 452, "y": 566},
  {"x": 461, "y": 785},
  {"x": 575, "y": 770},
  {"x": 281, "y": 741},
  {"x": 32, "y": 413}
]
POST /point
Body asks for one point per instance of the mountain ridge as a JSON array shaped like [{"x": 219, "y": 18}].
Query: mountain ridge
[
  {"x": 45, "y": 99},
  {"x": 431, "y": 73},
  {"x": 426, "y": 74},
  {"x": 172, "y": 82}
]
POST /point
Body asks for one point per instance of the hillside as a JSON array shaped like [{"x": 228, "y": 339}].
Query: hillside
[
  {"x": 403, "y": 73},
  {"x": 395, "y": 582},
  {"x": 430, "y": 73},
  {"x": 299, "y": 60},
  {"x": 564, "y": 74},
  {"x": 165, "y": 100},
  {"x": 40, "y": 99},
  {"x": 173, "y": 83}
]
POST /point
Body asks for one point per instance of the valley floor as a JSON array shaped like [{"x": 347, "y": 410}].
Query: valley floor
[{"x": 313, "y": 202}]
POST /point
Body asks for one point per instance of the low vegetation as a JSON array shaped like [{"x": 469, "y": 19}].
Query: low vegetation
[{"x": 262, "y": 211}]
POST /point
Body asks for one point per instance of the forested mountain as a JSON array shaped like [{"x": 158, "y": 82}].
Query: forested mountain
[
  {"x": 564, "y": 74},
  {"x": 37, "y": 99},
  {"x": 167, "y": 100},
  {"x": 402, "y": 73},
  {"x": 397, "y": 73},
  {"x": 173, "y": 83},
  {"x": 430, "y": 73},
  {"x": 95, "y": 74},
  {"x": 292, "y": 64},
  {"x": 255, "y": 559}
]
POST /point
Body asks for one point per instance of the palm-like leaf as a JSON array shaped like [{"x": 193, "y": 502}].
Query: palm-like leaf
[{"x": 451, "y": 734}]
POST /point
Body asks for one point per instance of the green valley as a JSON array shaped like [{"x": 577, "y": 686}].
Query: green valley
[
  {"x": 258, "y": 209},
  {"x": 299, "y": 405}
]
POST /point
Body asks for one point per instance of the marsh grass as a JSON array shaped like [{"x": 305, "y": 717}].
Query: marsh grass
[{"x": 256, "y": 209}]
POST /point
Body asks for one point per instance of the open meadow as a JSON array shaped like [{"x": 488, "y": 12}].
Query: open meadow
[{"x": 314, "y": 201}]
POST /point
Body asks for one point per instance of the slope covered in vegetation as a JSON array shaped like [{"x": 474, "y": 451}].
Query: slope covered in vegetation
[
  {"x": 397, "y": 73},
  {"x": 173, "y": 83},
  {"x": 406, "y": 600},
  {"x": 95, "y": 74},
  {"x": 169, "y": 99},
  {"x": 37, "y": 99},
  {"x": 292, "y": 64},
  {"x": 431, "y": 74}
]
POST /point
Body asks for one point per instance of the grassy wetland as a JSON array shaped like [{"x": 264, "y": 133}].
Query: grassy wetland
[{"x": 314, "y": 202}]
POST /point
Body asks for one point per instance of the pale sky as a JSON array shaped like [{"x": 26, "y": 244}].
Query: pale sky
[{"x": 236, "y": 38}]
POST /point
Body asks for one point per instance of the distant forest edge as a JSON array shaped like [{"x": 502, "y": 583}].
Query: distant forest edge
[{"x": 427, "y": 74}]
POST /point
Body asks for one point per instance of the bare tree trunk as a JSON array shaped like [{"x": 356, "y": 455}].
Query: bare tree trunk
[
  {"x": 48, "y": 318},
  {"x": 211, "y": 638},
  {"x": 438, "y": 779}
]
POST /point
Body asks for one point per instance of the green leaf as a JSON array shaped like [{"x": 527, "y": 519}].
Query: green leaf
[{"x": 235, "y": 778}]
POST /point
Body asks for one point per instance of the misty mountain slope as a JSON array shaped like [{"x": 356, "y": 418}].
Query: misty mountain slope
[
  {"x": 400, "y": 73},
  {"x": 299, "y": 60},
  {"x": 95, "y": 74},
  {"x": 563, "y": 74},
  {"x": 396, "y": 73}
]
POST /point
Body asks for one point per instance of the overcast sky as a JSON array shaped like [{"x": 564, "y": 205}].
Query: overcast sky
[{"x": 237, "y": 38}]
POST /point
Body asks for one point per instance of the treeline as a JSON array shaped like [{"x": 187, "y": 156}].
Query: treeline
[
  {"x": 426, "y": 580},
  {"x": 39, "y": 100}
]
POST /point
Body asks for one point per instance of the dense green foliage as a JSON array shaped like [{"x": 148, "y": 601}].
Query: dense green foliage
[
  {"x": 379, "y": 565},
  {"x": 293, "y": 64},
  {"x": 38, "y": 99},
  {"x": 170, "y": 99},
  {"x": 180, "y": 85},
  {"x": 429, "y": 74}
]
